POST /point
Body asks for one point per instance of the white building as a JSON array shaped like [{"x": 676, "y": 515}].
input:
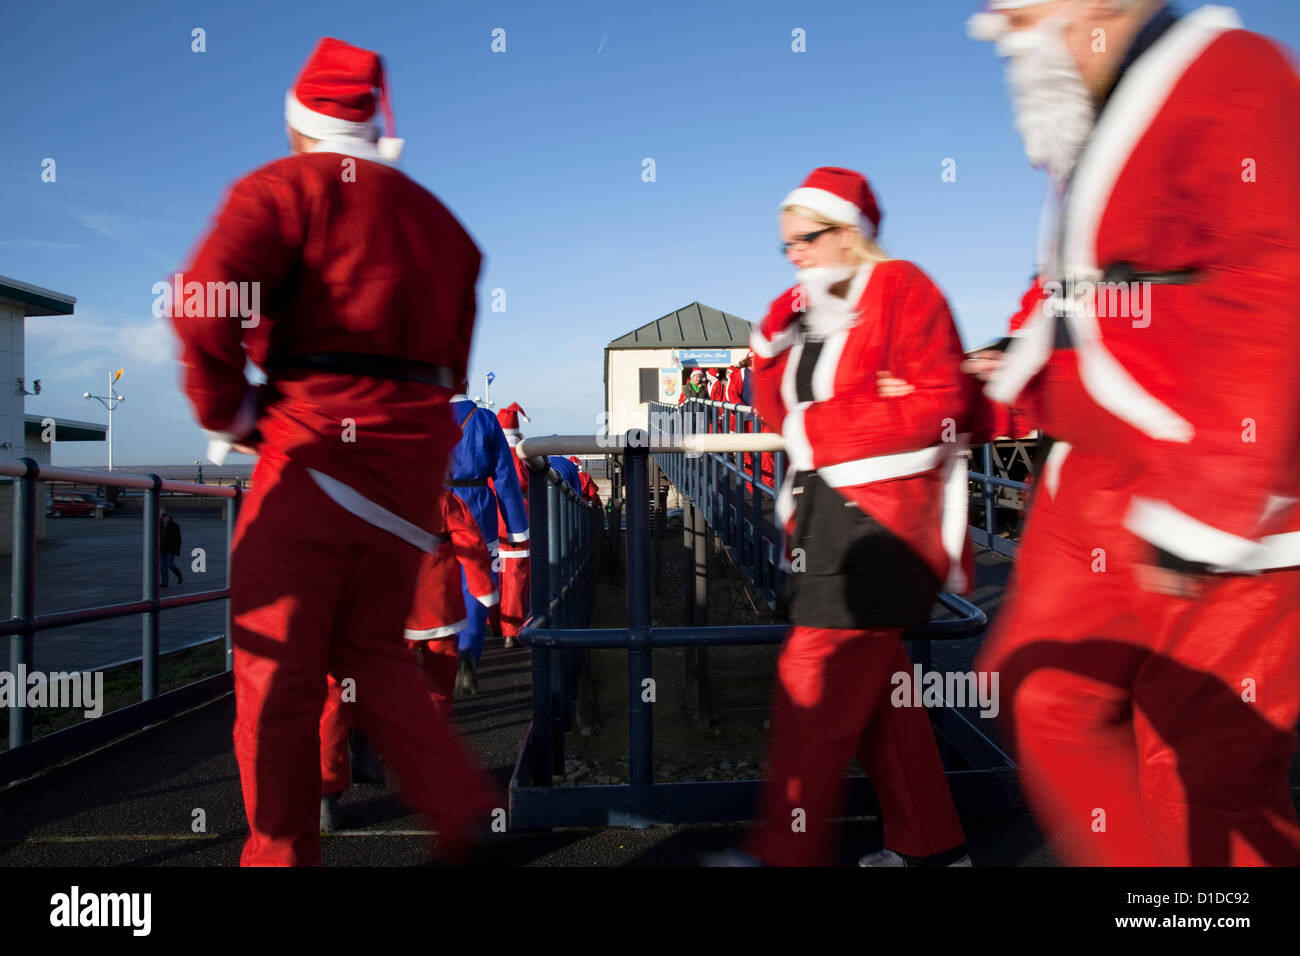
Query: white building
[
  {"x": 699, "y": 336},
  {"x": 21, "y": 434}
]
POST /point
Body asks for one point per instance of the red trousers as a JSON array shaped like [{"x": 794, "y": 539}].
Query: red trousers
[
  {"x": 317, "y": 591},
  {"x": 438, "y": 661},
  {"x": 831, "y": 701},
  {"x": 1150, "y": 729},
  {"x": 514, "y": 587}
]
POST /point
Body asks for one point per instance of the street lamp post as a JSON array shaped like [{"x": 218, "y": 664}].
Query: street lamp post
[{"x": 109, "y": 401}]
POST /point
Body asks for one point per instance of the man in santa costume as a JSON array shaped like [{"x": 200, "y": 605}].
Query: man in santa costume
[
  {"x": 695, "y": 387},
  {"x": 1149, "y": 648},
  {"x": 873, "y": 508},
  {"x": 590, "y": 492},
  {"x": 484, "y": 455},
  {"x": 717, "y": 385},
  {"x": 513, "y": 560},
  {"x": 436, "y": 617},
  {"x": 367, "y": 291}
]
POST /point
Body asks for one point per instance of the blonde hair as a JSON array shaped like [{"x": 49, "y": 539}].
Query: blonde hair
[{"x": 862, "y": 250}]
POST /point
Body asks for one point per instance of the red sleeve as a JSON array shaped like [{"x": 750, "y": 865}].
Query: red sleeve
[
  {"x": 1236, "y": 380},
  {"x": 991, "y": 419},
  {"x": 257, "y": 238},
  {"x": 735, "y": 385},
  {"x": 925, "y": 351},
  {"x": 467, "y": 545},
  {"x": 771, "y": 343}
]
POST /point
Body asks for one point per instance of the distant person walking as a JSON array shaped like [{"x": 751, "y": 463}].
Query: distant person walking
[{"x": 169, "y": 548}]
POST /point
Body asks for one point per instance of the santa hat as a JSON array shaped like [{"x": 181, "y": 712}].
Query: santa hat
[
  {"x": 509, "y": 418},
  {"x": 841, "y": 195},
  {"x": 333, "y": 98},
  {"x": 697, "y": 371},
  {"x": 991, "y": 22},
  {"x": 713, "y": 373},
  {"x": 577, "y": 461}
]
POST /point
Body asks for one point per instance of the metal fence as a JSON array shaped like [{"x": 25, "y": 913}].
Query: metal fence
[
  {"x": 717, "y": 478},
  {"x": 25, "y": 755}
]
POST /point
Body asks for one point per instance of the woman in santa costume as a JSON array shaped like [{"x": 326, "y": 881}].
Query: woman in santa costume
[
  {"x": 1149, "y": 646},
  {"x": 864, "y": 505},
  {"x": 366, "y": 284},
  {"x": 437, "y": 615},
  {"x": 513, "y": 561}
]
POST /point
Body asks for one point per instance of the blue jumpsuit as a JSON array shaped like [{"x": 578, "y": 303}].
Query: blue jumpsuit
[{"x": 484, "y": 453}]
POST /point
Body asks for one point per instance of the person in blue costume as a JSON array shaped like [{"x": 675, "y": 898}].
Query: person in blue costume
[{"x": 483, "y": 453}]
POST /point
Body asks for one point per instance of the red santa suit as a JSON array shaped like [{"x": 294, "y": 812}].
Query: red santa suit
[
  {"x": 366, "y": 289},
  {"x": 868, "y": 548},
  {"x": 1158, "y": 729},
  {"x": 513, "y": 558},
  {"x": 717, "y": 387},
  {"x": 437, "y": 615},
  {"x": 590, "y": 491}
]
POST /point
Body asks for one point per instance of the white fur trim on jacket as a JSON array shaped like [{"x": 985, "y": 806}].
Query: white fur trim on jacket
[
  {"x": 511, "y": 554},
  {"x": 241, "y": 426},
  {"x": 1177, "y": 532},
  {"x": 488, "y": 600},
  {"x": 354, "y": 502},
  {"x": 447, "y": 630},
  {"x": 765, "y": 348},
  {"x": 517, "y": 536}
]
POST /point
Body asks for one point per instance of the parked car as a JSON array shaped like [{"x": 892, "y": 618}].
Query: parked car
[{"x": 73, "y": 503}]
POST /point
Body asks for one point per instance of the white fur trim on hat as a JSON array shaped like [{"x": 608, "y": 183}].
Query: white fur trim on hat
[
  {"x": 831, "y": 206},
  {"x": 319, "y": 126}
]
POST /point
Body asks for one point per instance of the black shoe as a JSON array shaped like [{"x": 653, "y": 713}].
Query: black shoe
[
  {"x": 366, "y": 765},
  {"x": 331, "y": 815},
  {"x": 511, "y": 643},
  {"x": 466, "y": 678}
]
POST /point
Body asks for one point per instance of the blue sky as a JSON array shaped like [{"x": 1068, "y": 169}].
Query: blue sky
[{"x": 537, "y": 150}]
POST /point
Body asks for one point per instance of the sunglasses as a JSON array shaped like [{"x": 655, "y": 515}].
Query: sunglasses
[{"x": 807, "y": 239}]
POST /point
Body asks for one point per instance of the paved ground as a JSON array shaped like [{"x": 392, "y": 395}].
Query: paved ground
[
  {"x": 86, "y": 563},
  {"x": 135, "y": 802}
]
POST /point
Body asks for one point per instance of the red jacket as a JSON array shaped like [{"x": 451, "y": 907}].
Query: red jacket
[
  {"x": 439, "y": 606},
  {"x": 376, "y": 265},
  {"x": 1193, "y": 167},
  {"x": 994, "y": 420},
  {"x": 891, "y": 456}
]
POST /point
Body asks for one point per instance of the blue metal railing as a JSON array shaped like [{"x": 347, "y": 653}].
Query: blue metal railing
[
  {"x": 727, "y": 487},
  {"x": 562, "y": 588},
  {"x": 24, "y": 755},
  {"x": 733, "y": 489},
  {"x": 989, "y": 483}
]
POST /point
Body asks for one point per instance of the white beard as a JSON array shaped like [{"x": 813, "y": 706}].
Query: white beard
[
  {"x": 1054, "y": 111},
  {"x": 826, "y": 313}
]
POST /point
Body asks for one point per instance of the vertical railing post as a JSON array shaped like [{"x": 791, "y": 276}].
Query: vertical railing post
[
  {"x": 990, "y": 523},
  {"x": 22, "y": 598},
  {"x": 152, "y": 564},
  {"x": 538, "y": 591},
  {"x": 232, "y": 515},
  {"x": 639, "y": 710},
  {"x": 555, "y": 566}
]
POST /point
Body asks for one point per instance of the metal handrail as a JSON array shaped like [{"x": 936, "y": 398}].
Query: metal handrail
[
  {"x": 549, "y": 633},
  {"x": 24, "y": 624}
]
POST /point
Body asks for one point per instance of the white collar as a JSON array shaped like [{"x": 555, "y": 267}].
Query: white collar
[{"x": 360, "y": 148}]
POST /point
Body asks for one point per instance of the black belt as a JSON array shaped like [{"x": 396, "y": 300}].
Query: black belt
[
  {"x": 371, "y": 366},
  {"x": 1125, "y": 272},
  {"x": 467, "y": 483}
]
